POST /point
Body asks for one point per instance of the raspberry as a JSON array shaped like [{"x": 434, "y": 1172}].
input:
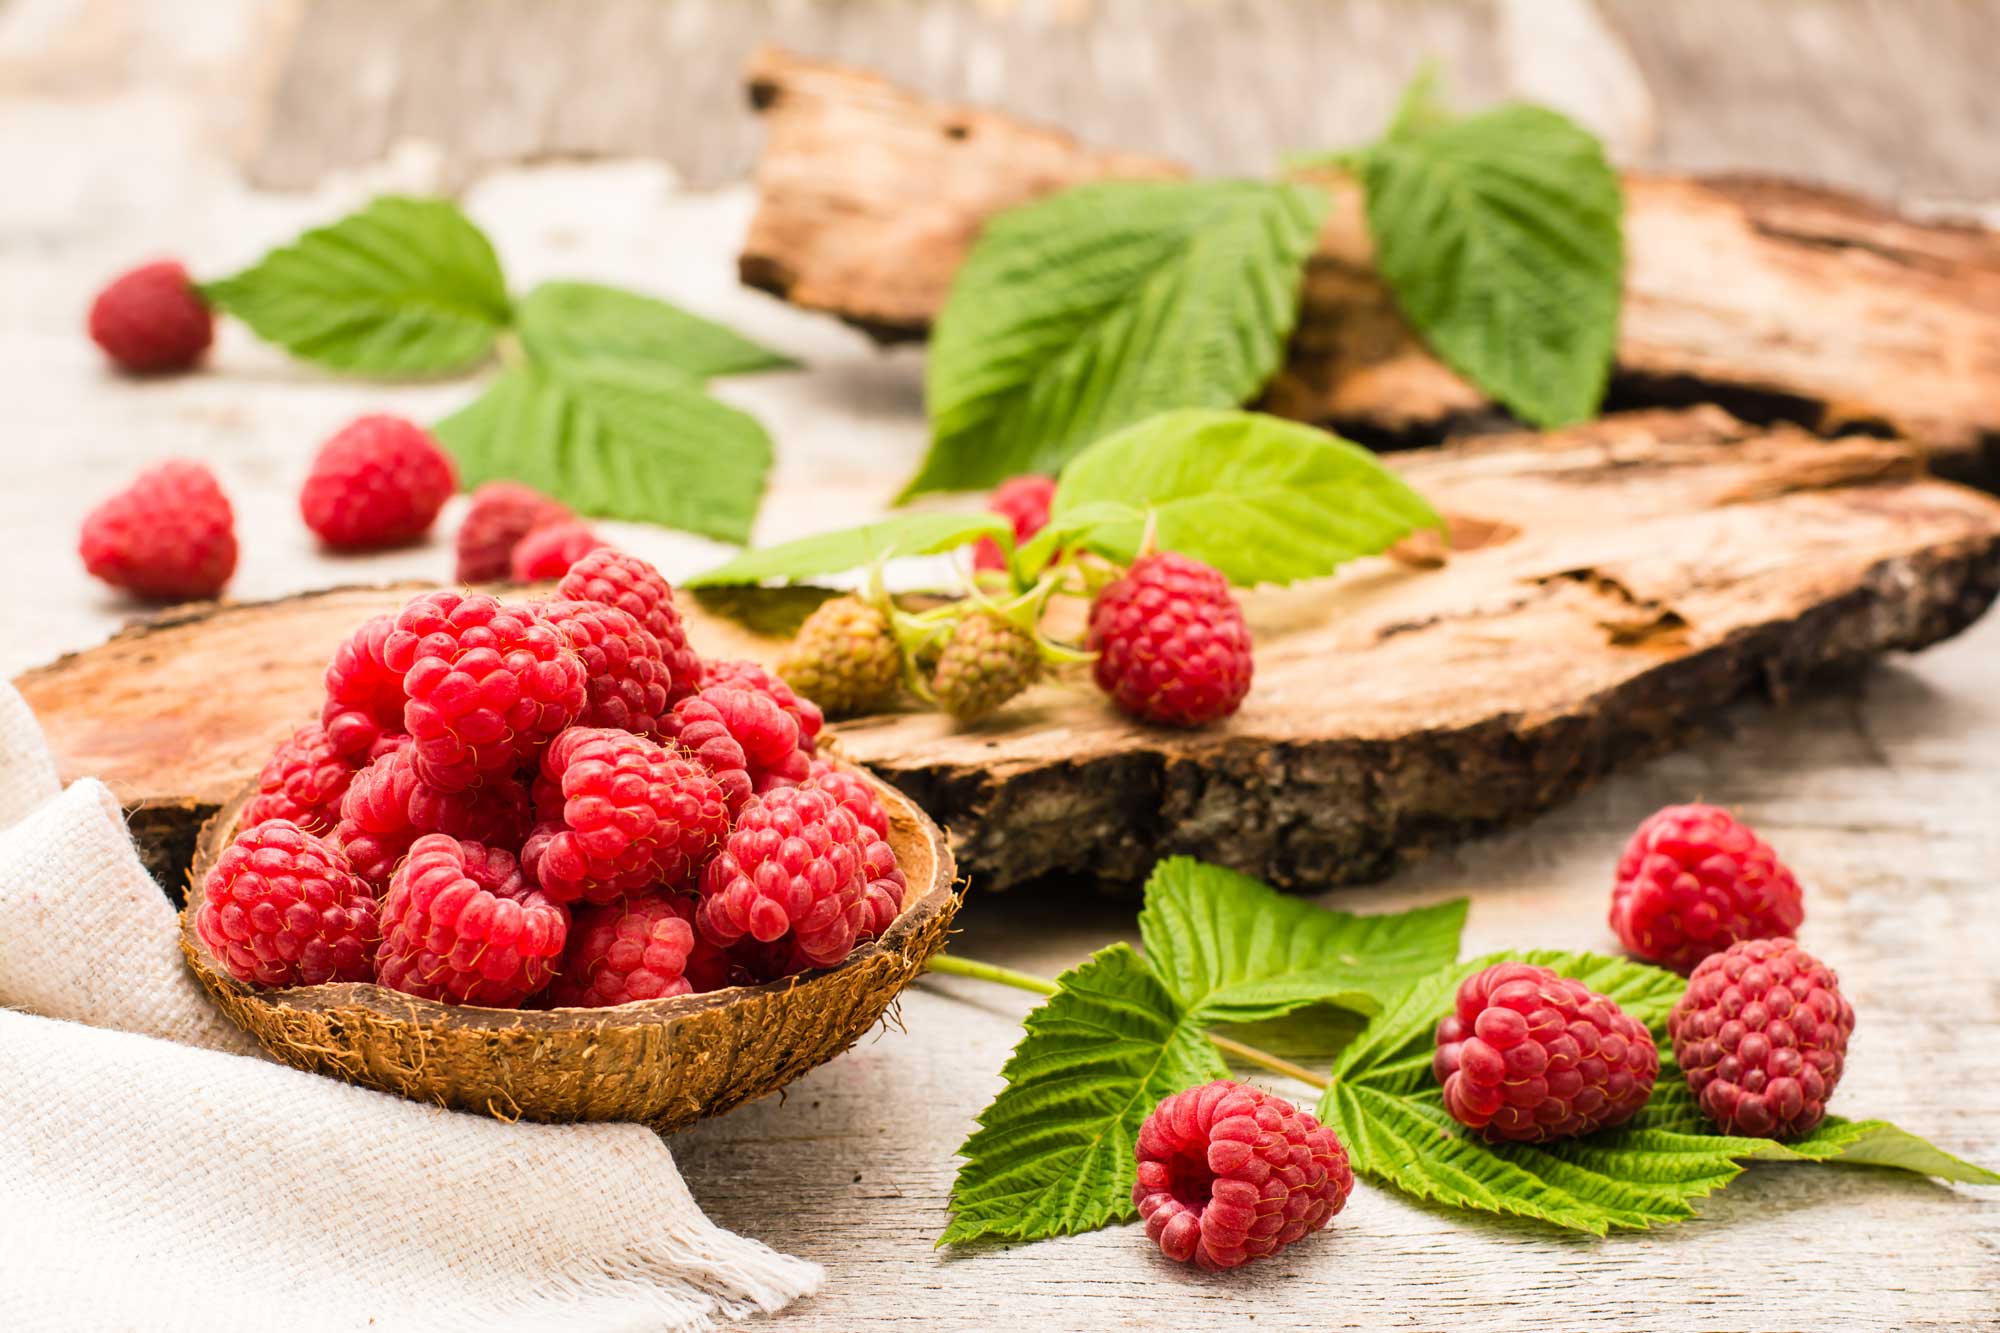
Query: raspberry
[
  {"x": 620, "y": 813},
  {"x": 487, "y": 684},
  {"x": 625, "y": 672},
  {"x": 1530, "y": 1057},
  {"x": 303, "y": 782},
  {"x": 281, "y": 908},
  {"x": 388, "y": 805},
  {"x": 170, "y": 535},
  {"x": 1693, "y": 881},
  {"x": 502, "y": 513},
  {"x": 854, "y": 792},
  {"x": 1761, "y": 1034},
  {"x": 548, "y": 552},
  {"x": 378, "y": 482},
  {"x": 743, "y": 675},
  {"x": 635, "y": 949},
  {"x": 1229, "y": 1173},
  {"x": 987, "y": 661},
  {"x": 152, "y": 319},
  {"x": 1022, "y": 501},
  {"x": 845, "y": 658},
  {"x": 882, "y": 894},
  {"x": 461, "y": 924},
  {"x": 794, "y": 864},
  {"x": 635, "y": 587},
  {"x": 364, "y": 697},
  {"x": 1171, "y": 642},
  {"x": 741, "y": 732}
]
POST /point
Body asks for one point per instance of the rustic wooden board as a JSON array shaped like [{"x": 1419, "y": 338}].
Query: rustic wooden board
[
  {"x": 1782, "y": 301},
  {"x": 1616, "y": 584}
]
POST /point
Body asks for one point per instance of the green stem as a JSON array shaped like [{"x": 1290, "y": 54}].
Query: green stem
[{"x": 1007, "y": 976}]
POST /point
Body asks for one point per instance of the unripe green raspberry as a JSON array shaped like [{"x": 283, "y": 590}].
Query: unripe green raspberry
[
  {"x": 987, "y": 662},
  {"x": 845, "y": 658}
]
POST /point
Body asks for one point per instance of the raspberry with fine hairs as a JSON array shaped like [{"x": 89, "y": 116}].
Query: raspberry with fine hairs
[
  {"x": 854, "y": 792},
  {"x": 1761, "y": 1034},
  {"x": 620, "y": 813},
  {"x": 281, "y": 908},
  {"x": 641, "y": 948},
  {"x": 548, "y": 552},
  {"x": 169, "y": 536},
  {"x": 794, "y": 865},
  {"x": 502, "y": 513},
  {"x": 151, "y": 320},
  {"x": 1229, "y": 1173},
  {"x": 1170, "y": 641},
  {"x": 364, "y": 696},
  {"x": 1024, "y": 502},
  {"x": 743, "y": 737},
  {"x": 379, "y": 481},
  {"x": 625, "y": 672},
  {"x": 742, "y": 675},
  {"x": 303, "y": 781},
  {"x": 488, "y": 685},
  {"x": 1693, "y": 881},
  {"x": 461, "y": 924},
  {"x": 388, "y": 806},
  {"x": 635, "y": 587},
  {"x": 1529, "y": 1057}
]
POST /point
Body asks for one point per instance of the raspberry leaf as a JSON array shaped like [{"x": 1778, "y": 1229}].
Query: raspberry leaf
[
  {"x": 1232, "y": 950},
  {"x": 1103, "y": 304},
  {"x": 404, "y": 287},
  {"x": 856, "y": 548},
  {"x": 597, "y": 326},
  {"x": 1212, "y": 479}
]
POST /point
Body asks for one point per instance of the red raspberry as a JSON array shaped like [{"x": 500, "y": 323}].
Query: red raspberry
[
  {"x": 1694, "y": 881},
  {"x": 742, "y": 675},
  {"x": 281, "y": 908},
  {"x": 1761, "y": 1034},
  {"x": 548, "y": 552},
  {"x": 625, "y": 673},
  {"x": 488, "y": 685},
  {"x": 388, "y": 806},
  {"x": 1171, "y": 642},
  {"x": 152, "y": 319},
  {"x": 635, "y": 949},
  {"x": 620, "y": 813},
  {"x": 502, "y": 513},
  {"x": 743, "y": 737},
  {"x": 1530, "y": 1057},
  {"x": 364, "y": 696},
  {"x": 302, "y": 782},
  {"x": 1022, "y": 501},
  {"x": 461, "y": 924},
  {"x": 887, "y": 884},
  {"x": 854, "y": 792},
  {"x": 882, "y": 895},
  {"x": 379, "y": 481},
  {"x": 170, "y": 535},
  {"x": 795, "y": 863},
  {"x": 633, "y": 586},
  {"x": 1229, "y": 1173}
]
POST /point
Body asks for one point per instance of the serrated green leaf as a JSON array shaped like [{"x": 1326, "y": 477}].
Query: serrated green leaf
[
  {"x": 1313, "y": 500},
  {"x": 857, "y": 548},
  {"x": 403, "y": 287},
  {"x": 1232, "y": 950},
  {"x": 1053, "y": 1153},
  {"x": 651, "y": 447},
  {"x": 1501, "y": 237},
  {"x": 1036, "y": 553},
  {"x": 1106, "y": 303},
  {"x": 593, "y": 328}
]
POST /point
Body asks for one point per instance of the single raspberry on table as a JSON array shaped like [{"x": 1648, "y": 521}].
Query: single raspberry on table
[
  {"x": 169, "y": 536},
  {"x": 640, "y": 948},
  {"x": 364, "y": 695},
  {"x": 488, "y": 685},
  {"x": 1761, "y": 1035},
  {"x": 845, "y": 658},
  {"x": 1529, "y": 1057},
  {"x": 461, "y": 924},
  {"x": 548, "y": 552},
  {"x": 635, "y": 587},
  {"x": 625, "y": 672},
  {"x": 152, "y": 319},
  {"x": 389, "y": 805},
  {"x": 794, "y": 865},
  {"x": 281, "y": 908},
  {"x": 618, "y": 813},
  {"x": 1170, "y": 641},
  {"x": 1693, "y": 881},
  {"x": 743, "y": 675},
  {"x": 987, "y": 661},
  {"x": 743, "y": 738},
  {"x": 1022, "y": 501},
  {"x": 379, "y": 481},
  {"x": 502, "y": 513},
  {"x": 303, "y": 781},
  {"x": 1229, "y": 1173}
]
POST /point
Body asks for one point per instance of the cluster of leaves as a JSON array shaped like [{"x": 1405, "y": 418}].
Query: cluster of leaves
[
  {"x": 1053, "y": 1153},
  {"x": 601, "y": 400},
  {"x": 1500, "y": 236}
]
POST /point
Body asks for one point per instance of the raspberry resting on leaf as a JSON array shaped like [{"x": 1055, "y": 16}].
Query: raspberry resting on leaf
[
  {"x": 388, "y": 806},
  {"x": 548, "y": 552},
  {"x": 1693, "y": 881},
  {"x": 743, "y": 675},
  {"x": 502, "y": 513},
  {"x": 635, "y": 587},
  {"x": 152, "y": 319},
  {"x": 794, "y": 865},
  {"x": 169, "y": 536},
  {"x": 379, "y": 481},
  {"x": 281, "y": 908},
  {"x": 619, "y": 813},
  {"x": 625, "y": 672},
  {"x": 640, "y": 948},
  {"x": 1024, "y": 502},
  {"x": 461, "y": 924},
  {"x": 1170, "y": 641},
  {"x": 1229, "y": 1173}
]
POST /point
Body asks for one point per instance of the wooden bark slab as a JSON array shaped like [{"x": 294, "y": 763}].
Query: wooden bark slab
[
  {"x": 1780, "y": 301},
  {"x": 1615, "y": 585}
]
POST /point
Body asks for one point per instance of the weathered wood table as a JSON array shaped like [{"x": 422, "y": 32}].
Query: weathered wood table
[{"x": 1879, "y": 788}]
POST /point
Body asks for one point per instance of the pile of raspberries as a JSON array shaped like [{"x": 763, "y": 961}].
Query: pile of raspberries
[{"x": 550, "y": 803}]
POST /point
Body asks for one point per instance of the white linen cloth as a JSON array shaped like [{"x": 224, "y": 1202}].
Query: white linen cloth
[{"x": 157, "y": 1173}]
